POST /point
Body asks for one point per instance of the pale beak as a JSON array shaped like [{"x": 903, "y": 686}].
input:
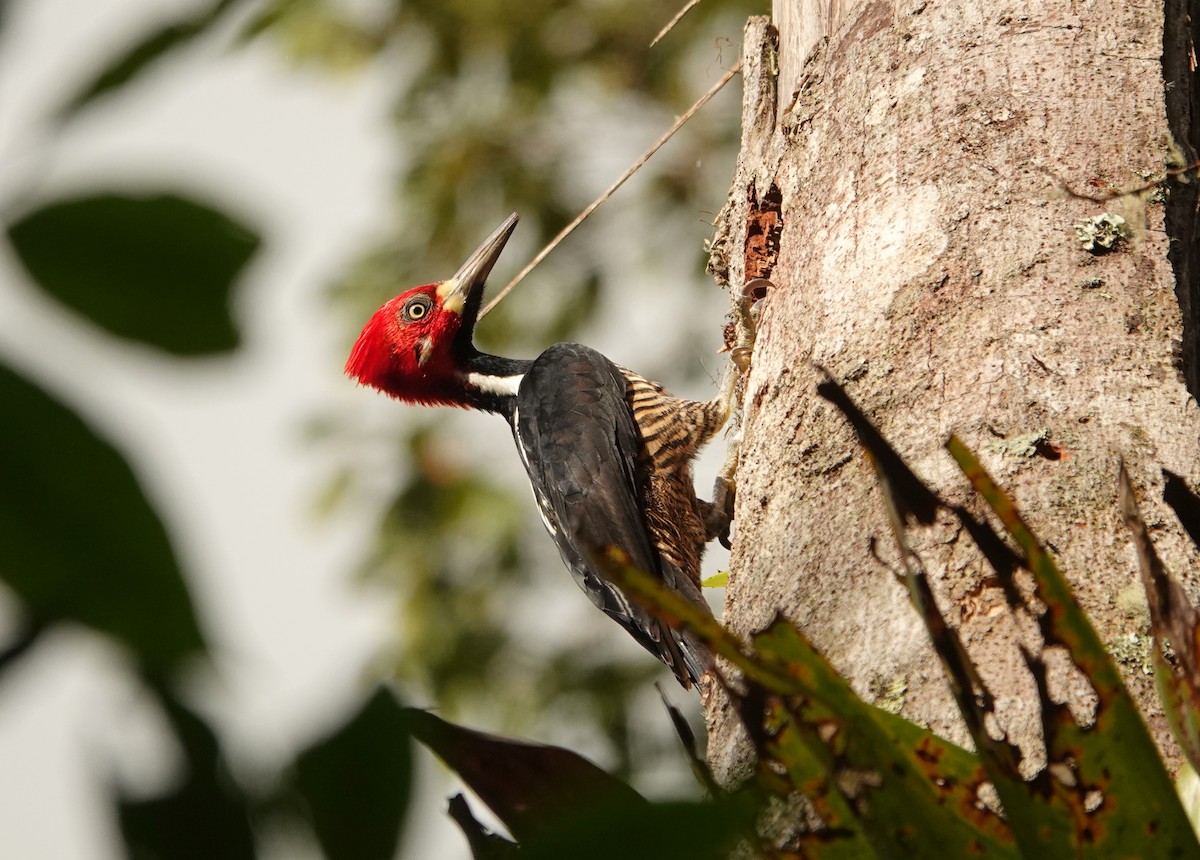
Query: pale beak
[{"x": 465, "y": 289}]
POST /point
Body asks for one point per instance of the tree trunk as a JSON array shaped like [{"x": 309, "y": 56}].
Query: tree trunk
[{"x": 903, "y": 181}]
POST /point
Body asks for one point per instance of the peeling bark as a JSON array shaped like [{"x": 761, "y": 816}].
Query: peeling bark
[{"x": 906, "y": 191}]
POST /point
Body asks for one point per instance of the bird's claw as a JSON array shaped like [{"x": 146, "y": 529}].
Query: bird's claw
[{"x": 720, "y": 511}]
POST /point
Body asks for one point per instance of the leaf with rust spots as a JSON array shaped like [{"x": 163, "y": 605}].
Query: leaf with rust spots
[
  {"x": 806, "y": 764},
  {"x": 1104, "y": 784},
  {"x": 837, "y": 738},
  {"x": 906, "y": 796}
]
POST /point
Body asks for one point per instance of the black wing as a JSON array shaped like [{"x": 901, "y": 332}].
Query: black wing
[{"x": 580, "y": 445}]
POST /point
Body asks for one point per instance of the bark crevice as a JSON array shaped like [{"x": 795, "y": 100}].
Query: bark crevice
[{"x": 1180, "y": 30}]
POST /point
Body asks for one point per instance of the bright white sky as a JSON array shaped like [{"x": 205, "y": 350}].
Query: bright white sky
[{"x": 217, "y": 444}]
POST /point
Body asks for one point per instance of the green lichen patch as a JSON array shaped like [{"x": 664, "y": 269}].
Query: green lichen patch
[{"x": 1102, "y": 233}]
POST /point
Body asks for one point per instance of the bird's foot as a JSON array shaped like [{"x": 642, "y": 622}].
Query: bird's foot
[
  {"x": 720, "y": 511},
  {"x": 740, "y": 343}
]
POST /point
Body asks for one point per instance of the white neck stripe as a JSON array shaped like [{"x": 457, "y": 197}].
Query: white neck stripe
[{"x": 503, "y": 385}]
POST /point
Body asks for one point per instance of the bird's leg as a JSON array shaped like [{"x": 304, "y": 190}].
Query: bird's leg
[{"x": 719, "y": 514}]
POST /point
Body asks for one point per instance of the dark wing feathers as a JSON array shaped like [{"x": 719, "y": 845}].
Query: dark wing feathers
[{"x": 580, "y": 446}]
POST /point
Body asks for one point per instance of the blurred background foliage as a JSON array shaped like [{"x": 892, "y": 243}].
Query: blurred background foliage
[
  {"x": 498, "y": 107},
  {"x": 534, "y": 108}
]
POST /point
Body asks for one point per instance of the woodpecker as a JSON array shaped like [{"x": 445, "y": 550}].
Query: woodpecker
[{"x": 607, "y": 451}]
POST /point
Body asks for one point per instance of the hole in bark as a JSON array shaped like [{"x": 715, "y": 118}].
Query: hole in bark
[
  {"x": 1049, "y": 450},
  {"x": 764, "y": 227}
]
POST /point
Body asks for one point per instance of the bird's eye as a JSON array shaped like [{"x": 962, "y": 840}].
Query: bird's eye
[{"x": 416, "y": 308}]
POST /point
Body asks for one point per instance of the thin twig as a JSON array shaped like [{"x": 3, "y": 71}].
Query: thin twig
[
  {"x": 1170, "y": 172},
  {"x": 608, "y": 192},
  {"x": 671, "y": 24}
]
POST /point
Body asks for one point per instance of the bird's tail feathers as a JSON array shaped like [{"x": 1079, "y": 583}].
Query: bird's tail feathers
[{"x": 698, "y": 660}]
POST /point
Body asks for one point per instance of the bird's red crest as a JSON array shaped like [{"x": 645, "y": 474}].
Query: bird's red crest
[{"x": 372, "y": 351}]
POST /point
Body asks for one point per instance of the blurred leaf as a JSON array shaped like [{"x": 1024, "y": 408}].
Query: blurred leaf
[
  {"x": 155, "y": 269},
  {"x": 315, "y": 32},
  {"x": 911, "y": 792},
  {"x": 529, "y": 786},
  {"x": 717, "y": 580},
  {"x": 143, "y": 54},
  {"x": 205, "y": 817},
  {"x": 655, "y": 831},
  {"x": 785, "y": 746},
  {"x": 1188, "y": 786},
  {"x": 558, "y": 804},
  {"x": 357, "y": 782},
  {"x": 78, "y": 538}
]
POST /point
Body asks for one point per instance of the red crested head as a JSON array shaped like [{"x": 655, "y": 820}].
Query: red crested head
[{"x": 415, "y": 346}]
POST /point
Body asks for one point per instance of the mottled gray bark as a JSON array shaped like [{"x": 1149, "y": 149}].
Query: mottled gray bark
[{"x": 901, "y": 181}]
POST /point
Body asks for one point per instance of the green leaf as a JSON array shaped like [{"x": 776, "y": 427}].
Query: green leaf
[
  {"x": 156, "y": 269},
  {"x": 558, "y": 804},
  {"x": 717, "y": 580},
  {"x": 911, "y": 792},
  {"x": 357, "y": 782},
  {"x": 916, "y": 794},
  {"x": 142, "y": 55},
  {"x": 78, "y": 538},
  {"x": 206, "y": 816},
  {"x": 655, "y": 831}
]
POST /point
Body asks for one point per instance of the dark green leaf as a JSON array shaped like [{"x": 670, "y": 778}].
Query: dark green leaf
[
  {"x": 356, "y": 782},
  {"x": 205, "y": 817},
  {"x": 485, "y": 845},
  {"x": 653, "y": 831},
  {"x": 144, "y": 53},
  {"x": 529, "y": 786},
  {"x": 155, "y": 269},
  {"x": 78, "y": 538}
]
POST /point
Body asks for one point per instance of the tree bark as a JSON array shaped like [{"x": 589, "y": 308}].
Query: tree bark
[{"x": 905, "y": 180}]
